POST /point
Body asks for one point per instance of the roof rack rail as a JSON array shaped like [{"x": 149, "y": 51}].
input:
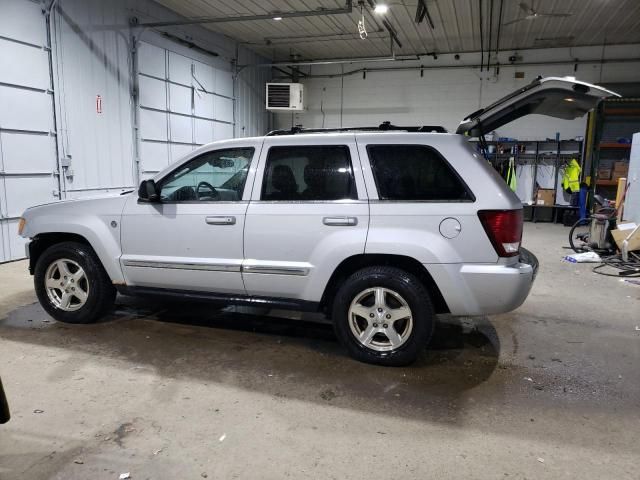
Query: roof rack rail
[{"x": 383, "y": 127}]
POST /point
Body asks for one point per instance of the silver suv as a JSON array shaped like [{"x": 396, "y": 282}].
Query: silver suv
[{"x": 381, "y": 229}]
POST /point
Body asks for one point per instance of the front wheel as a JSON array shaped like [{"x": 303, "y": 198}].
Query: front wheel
[
  {"x": 383, "y": 315},
  {"x": 71, "y": 283}
]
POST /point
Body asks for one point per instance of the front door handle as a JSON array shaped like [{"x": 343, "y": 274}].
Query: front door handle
[
  {"x": 340, "y": 221},
  {"x": 221, "y": 220}
]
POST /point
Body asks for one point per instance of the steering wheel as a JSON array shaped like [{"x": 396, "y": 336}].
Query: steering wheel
[{"x": 214, "y": 192}]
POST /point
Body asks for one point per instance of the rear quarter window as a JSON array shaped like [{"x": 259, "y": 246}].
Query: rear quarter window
[{"x": 415, "y": 173}]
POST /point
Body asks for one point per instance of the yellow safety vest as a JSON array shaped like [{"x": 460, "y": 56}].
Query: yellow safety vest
[
  {"x": 571, "y": 177},
  {"x": 511, "y": 175}
]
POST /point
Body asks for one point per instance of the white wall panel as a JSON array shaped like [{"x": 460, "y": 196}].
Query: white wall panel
[
  {"x": 151, "y": 60},
  {"x": 223, "y": 109},
  {"x": 203, "y": 104},
  {"x": 25, "y": 110},
  {"x": 205, "y": 75},
  {"x": 153, "y": 93},
  {"x": 179, "y": 151},
  {"x": 153, "y": 125},
  {"x": 156, "y": 156},
  {"x": 179, "y": 69},
  {"x": 224, "y": 82},
  {"x": 40, "y": 191},
  {"x": 181, "y": 129},
  {"x": 203, "y": 131},
  {"x": 22, "y": 152},
  {"x": 222, "y": 131},
  {"x": 179, "y": 99},
  {"x": 23, "y": 65},
  {"x": 22, "y": 20},
  {"x": 16, "y": 242}
]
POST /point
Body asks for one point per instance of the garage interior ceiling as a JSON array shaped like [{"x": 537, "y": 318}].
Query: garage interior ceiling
[{"x": 456, "y": 26}]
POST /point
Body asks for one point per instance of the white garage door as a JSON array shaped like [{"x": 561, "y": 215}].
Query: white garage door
[
  {"x": 28, "y": 174},
  {"x": 184, "y": 103}
]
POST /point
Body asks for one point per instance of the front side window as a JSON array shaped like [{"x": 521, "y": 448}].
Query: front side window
[
  {"x": 415, "y": 172},
  {"x": 217, "y": 176},
  {"x": 308, "y": 173}
]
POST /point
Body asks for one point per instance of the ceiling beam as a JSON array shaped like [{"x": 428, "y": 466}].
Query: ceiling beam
[{"x": 348, "y": 8}]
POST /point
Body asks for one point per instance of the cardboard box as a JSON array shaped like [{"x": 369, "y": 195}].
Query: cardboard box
[
  {"x": 621, "y": 167},
  {"x": 620, "y": 171},
  {"x": 622, "y": 232},
  {"x": 604, "y": 173},
  {"x": 545, "y": 196}
]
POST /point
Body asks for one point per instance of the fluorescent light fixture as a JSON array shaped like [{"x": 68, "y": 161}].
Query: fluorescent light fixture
[
  {"x": 381, "y": 9},
  {"x": 277, "y": 18},
  {"x": 569, "y": 99}
]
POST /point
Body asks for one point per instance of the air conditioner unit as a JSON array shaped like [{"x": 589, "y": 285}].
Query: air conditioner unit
[{"x": 285, "y": 96}]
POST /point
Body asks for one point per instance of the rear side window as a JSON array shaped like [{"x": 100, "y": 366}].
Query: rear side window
[
  {"x": 415, "y": 172},
  {"x": 300, "y": 173}
]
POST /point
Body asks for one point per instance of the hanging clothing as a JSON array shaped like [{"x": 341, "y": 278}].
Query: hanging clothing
[
  {"x": 571, "y": 177},
  {"x": 511, "y": 175},
  {"x": 525, "y": 187}
]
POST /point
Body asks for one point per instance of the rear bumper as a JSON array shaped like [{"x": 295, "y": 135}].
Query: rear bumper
[{"x": 481, "y": 289}]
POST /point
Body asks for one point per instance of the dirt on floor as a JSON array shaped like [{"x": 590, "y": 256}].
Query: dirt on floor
[{"x": 184, "y": 391}]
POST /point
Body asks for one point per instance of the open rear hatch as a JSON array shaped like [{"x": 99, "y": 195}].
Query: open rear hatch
[{"x": 560, "y": 97}]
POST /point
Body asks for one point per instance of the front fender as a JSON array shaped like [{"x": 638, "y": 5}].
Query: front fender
[{"x": 96, "y": 220}]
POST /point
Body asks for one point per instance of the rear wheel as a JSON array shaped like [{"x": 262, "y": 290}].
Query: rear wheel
[
  {"x": 383, "y": 315},
  {"x": 71, "y": 283}
]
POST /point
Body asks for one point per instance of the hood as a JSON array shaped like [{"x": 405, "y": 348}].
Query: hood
[
  {"x": 82, "y": 199},
  {"x": 559, "y": 97}
]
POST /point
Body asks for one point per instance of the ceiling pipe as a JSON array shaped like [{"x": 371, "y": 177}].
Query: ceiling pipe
[
  {"x": 337, "y": 61},
  {"x": 452, "y": 67},
  {"x": 327, "y": 37},
  {"x": 347, "y": 9}
]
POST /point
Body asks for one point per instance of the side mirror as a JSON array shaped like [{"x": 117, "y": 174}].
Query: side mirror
[{"x": 148, "y": 191}]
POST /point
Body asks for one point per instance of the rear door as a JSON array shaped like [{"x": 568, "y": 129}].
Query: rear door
[
  {"x": 308, "y": 212},
  {"x": 557, "y": 97}
]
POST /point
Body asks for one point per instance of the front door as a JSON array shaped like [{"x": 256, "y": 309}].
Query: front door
[{"x": 192, "y": 238}]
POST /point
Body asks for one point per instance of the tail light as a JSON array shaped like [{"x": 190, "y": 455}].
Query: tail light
[{"x": 504, "y": 229}]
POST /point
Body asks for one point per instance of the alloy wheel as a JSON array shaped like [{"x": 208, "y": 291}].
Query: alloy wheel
[
  {"x": 67, "y": 285},
  {"x": 380, "y": 319}
]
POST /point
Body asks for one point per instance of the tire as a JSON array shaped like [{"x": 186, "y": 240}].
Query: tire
[
  {"x": 72, "y": 285},
  {"x": 583, "y": 222},
  {"x": 391, "y": 337}
]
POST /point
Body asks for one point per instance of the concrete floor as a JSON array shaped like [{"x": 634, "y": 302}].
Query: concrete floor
[{"x": 180, "y": 392}]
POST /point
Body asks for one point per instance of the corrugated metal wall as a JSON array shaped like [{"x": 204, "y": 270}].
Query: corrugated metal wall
[
  {"x": 98, "y": 149},
  {"x": 251, "y": 116},
  {"x": 91, "y": 61}
]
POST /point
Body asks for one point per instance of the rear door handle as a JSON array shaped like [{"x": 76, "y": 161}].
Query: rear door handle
[
  {"x": 340, "y": 221},
  {"x": 221, "y": 220}
]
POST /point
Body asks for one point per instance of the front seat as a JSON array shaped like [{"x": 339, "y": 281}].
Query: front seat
[{"x": 284, "y": 184}]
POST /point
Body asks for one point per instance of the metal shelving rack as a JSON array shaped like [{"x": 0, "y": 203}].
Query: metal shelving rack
[
  {"x": 614, "y": 118},
  {"x": 540, "y": 152}
]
